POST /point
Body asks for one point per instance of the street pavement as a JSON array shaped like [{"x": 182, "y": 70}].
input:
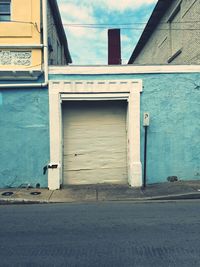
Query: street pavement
[
  {"x": 101, "y": 234},
  {"x": 102, "y": 192}
]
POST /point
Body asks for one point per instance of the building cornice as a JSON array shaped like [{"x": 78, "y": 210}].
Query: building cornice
[{"x": 122, "y": 69}]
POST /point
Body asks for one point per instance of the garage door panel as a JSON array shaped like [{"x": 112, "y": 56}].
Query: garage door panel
[
  {"x": 94, "y": 142},
  {"x": 90, "y": 161},
  {"x": 93, "y": 151},
  {"x": 92, "y": 113},
  {"x": 98, "y": 145},
  {"x": 116, "y": 175},
  {"x": 94, "y": 118},
  {"x": 97, "y": 131}
]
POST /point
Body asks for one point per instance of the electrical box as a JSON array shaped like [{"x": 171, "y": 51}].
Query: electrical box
[{"x": 146, "y": 119}]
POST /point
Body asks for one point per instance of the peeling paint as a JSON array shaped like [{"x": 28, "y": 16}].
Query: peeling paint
[{"x": 35, "y": 126}]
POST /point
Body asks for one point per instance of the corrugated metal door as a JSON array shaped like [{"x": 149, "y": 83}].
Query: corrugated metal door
[{"x": 94, "y": 137}]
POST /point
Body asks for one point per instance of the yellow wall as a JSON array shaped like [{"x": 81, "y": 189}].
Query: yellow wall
[{"x": 24, "y": 29}]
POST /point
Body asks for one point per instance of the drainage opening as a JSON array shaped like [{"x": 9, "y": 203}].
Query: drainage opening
[
  {"x": 7, "y": 194},
  {"x": 35, "y": 193}
]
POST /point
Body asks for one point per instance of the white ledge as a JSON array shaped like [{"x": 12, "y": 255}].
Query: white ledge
[
  {"x": 122, "y": 69},
  {"x": 21, "y": 46},
  {"x": 20, "y": 74}
]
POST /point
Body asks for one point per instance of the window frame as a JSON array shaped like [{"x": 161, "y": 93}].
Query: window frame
[
  {"x": 6, "y": 14},
  {"x": 174, "y": 53}
]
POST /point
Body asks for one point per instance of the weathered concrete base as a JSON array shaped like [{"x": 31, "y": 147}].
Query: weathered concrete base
[{"x": 90, "y": 193}]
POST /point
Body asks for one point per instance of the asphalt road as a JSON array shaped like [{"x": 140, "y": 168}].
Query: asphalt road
[{"x": 100, "y": 234}]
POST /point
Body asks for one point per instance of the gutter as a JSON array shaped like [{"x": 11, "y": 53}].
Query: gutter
[
  {"x": 22, "y": 46},
  {"x": 45, "y": 53}
]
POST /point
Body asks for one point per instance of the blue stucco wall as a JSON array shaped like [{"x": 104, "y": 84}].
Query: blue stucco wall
[
  {"x": 24, "y": 136},
  {"x": 173, "y": 101}
]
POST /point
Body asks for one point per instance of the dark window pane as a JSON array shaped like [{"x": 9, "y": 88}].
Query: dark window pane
[{"x": 4, "y": 8}]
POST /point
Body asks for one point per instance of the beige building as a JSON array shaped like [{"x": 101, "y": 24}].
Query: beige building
[
  {"x": 31, "y": 38},
  {"x": 171, "y": 36}
]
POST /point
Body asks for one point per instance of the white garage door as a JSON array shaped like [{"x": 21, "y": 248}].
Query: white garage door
[{"x": 94, "y": 136}]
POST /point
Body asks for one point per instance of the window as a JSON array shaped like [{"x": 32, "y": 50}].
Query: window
[
  {"x": 175, "y": 32},
  {"x": 5, "y": 10},
  {"x": 58, "y": 53}
]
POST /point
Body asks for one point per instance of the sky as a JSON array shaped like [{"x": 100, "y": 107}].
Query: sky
[{"x": 88, "y": 41}]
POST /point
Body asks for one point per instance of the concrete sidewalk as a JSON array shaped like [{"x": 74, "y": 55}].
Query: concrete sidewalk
[{"x": 88, "y": 193}]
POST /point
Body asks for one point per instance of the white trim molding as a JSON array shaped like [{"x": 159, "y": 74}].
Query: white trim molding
[
  {"x": 20, "y": 74},
  {"x": 21, "y": 46},
  {"x": 129, "y": 90},
  {"x": 122, "y": 69}
]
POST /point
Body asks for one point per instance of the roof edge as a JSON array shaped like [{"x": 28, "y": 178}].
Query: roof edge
[
  {"x": 59, "y": 26},
  {"x": 156, "y": 16}
]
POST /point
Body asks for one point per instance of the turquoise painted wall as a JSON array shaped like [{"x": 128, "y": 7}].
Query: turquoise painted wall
[
  {"x": 173, "y": 101},
  {"x": 24, "y": 136}
]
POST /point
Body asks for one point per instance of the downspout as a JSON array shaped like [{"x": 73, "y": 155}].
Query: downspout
[
  {"x": 45, "y": 42},
  {"x": 45, "y": 54}
]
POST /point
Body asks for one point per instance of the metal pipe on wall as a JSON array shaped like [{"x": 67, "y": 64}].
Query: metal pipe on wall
[
  {"x": 146, "y": 125},
  {"x": 24, "y": 46},
  {"x": 145, "y": 157}
]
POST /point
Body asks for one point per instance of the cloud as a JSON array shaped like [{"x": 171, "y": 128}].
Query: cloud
[
  {"x": 86, "y": 45},
  {"x": 115, "y": 5},
  {"x": 89, "y": 45},
  {"x": 73, "y": 13},
  {"x": 120, "y": 5},
  {"x": 88, "y": 49}
]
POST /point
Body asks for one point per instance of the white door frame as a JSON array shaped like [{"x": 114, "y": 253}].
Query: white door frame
[{"x": 95, "y": 90}]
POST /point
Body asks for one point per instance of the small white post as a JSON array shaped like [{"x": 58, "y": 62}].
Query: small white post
[
  {"x": 55, "y": 133},
  {"x": 135, "y": 166}
]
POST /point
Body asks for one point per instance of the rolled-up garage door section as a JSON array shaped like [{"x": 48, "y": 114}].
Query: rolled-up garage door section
[{"x": 95, "y": 142}]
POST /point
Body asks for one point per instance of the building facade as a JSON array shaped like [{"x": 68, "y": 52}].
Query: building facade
[
  {"x": 171, "y": 35},
  {"x": 27, "y": 47},
  {"x": 85, "y": 124},
  {"x": 87, "y": 127},
  {"x": 57, "y": 42},
  {"x": 22, "y": 35},
  {"x": 98, "y": 116}
]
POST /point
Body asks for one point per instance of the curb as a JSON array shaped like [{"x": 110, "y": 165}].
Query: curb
[
  {"x": 186, "y": 196},
  {"x": 21, "y": 201},
  {"x": 192, "y": 195}
]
